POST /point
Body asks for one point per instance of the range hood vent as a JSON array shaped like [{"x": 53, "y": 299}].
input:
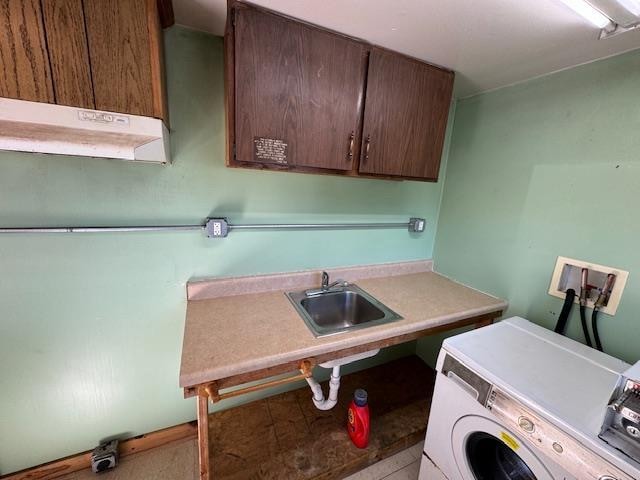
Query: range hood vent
[{"x": 57, "y": 129}]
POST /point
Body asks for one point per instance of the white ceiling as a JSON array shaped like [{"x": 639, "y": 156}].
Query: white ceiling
[{"x": 489, "y": 43}]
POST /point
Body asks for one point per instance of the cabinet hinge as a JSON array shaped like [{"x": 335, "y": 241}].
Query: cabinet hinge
[
  {"x": 233, "y": 17},
  {"x": 234, "y": 152}
]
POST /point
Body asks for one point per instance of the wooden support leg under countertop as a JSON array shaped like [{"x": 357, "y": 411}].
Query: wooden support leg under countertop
[
  {"x": 211, "y": 392},
  {"x": 203, "y": 436}
]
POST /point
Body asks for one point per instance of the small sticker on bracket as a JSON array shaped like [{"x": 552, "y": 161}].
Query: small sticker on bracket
[{"x": 102, "y": 117}]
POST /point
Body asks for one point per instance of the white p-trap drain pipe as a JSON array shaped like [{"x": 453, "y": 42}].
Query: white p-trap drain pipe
[
  {"x": 318, "y": 396},
  {"x": 334, "y": 382}
]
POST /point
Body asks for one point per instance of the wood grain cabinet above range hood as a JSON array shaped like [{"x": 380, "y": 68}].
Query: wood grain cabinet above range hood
[
  {"x": 84, "y": 77},
  {"x": 301, "y": 98}
]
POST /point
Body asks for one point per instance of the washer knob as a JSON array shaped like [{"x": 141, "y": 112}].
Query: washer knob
[
  {"x": 633, "y": 431},
  {"x": 526, "y": 424},
  {"x": 607, "y": 477}
]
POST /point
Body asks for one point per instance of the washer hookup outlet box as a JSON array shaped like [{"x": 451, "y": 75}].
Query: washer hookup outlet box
[{"x": 568, "y": 273}]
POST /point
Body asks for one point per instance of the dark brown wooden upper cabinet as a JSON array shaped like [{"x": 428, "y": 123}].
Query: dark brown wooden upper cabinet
[
  {"x": 102, "y": 54},
  {"x": 405, "y": 116},
  {"x": 298, "y": 93},
  {"x": 301, "y": 98}
]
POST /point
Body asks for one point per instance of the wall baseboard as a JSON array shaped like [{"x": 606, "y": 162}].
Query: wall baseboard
[{"x": 80, "y": 461}]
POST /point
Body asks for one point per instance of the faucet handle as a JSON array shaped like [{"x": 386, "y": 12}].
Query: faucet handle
[{"x": 325, "y": 279}]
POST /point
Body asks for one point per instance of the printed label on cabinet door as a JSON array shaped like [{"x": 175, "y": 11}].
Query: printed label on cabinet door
[{"x": 270, "y": 150}]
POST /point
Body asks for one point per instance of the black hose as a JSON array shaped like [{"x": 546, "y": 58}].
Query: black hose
[
  {"x": 561, "y": 325},
  {"x": 594, "y": 327},
  {"x": 585, "y": 329}
]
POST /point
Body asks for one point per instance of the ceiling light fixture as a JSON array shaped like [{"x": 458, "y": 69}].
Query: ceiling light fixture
[
  {"x": 631, "y": 5},
  {"x": 586, "y": 10}
]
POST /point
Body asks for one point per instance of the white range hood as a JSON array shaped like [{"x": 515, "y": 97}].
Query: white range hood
[{"x": 57, "y": 129}]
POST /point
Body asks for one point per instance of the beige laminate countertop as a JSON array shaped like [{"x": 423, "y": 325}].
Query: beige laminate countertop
[{"x": 231, "y": 335}]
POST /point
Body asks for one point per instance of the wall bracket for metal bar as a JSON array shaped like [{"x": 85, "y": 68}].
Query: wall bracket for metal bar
[{"x": 220, "y": 227}]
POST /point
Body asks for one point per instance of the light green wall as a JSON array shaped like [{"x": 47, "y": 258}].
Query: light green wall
[
  {"x": 546, "y": 168},
  {"x": 91, "y": 325}
]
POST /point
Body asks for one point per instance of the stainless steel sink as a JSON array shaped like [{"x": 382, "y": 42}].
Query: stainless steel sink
[{"x": 340, "y": 309}]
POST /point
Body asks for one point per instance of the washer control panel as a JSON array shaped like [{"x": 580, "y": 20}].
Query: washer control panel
[
  {"x": 553, "y": 442},
  {"x": 621, "y": 426}
]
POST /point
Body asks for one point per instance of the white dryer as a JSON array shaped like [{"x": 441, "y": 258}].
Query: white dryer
[{"x": 515, "y": 401}]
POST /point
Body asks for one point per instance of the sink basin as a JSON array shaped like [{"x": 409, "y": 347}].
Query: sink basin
[{"x": 340, "y": 309}]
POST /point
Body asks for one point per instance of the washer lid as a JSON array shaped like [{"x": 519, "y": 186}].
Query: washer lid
[{"x": 547, "y": 371}]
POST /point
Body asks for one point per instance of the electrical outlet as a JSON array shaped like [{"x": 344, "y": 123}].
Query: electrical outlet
[
  {"x": 216, "y": 227},
  {"x": 105, "y": 456},
  {"x": 416, "y": 224},
  {"x": 567, "y": 274}
]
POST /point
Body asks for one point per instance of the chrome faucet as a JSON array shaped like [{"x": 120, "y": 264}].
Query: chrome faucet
[
  {"x": 325, "y": 280},
  {"x": 326, "y": 286}
]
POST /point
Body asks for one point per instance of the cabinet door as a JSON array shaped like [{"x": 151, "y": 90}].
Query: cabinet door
[
  {"x": 405, "y": 116},
  {"x": 24, "y": 66},
  {"x": 68, "y": 53},
  {"x": 124, "y": 38},
  {"x": 298, "y": 93}
]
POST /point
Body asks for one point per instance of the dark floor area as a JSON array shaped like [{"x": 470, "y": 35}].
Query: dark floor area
[{"x": 286, "y": 437}]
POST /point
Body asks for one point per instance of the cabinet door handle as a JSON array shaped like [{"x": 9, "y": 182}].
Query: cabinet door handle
[
  {"x": 367, "y": 145},
  {"x": 351, "y": 140}
]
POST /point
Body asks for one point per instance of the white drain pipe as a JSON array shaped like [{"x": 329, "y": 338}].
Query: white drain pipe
[
  {"x": 334, "y": 383},
  {"x": 318, "y": 396}
]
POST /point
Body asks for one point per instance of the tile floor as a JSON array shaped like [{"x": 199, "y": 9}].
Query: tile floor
[
  {"x": 403, "y": 465},
  {"x": 179, "y": 461}
]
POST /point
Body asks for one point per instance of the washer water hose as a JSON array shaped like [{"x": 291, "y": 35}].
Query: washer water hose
[
  {"x": 584, "y": 293},
  {"x": 594, "y": 327},
  {"x": 561, "y": 325}
]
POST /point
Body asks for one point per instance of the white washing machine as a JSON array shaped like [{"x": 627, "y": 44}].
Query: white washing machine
[{"x": 515, "y": 401}]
